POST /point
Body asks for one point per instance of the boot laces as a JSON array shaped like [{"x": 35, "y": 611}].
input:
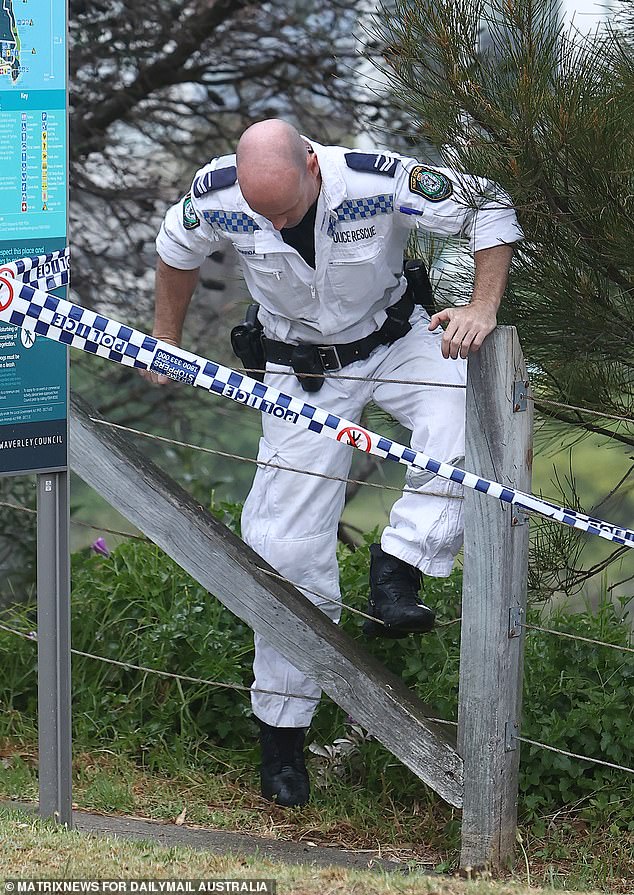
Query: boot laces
[{"x": 400, "y": 573}]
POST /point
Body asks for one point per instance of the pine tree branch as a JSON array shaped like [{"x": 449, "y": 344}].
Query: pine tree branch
[
  {"x": 577, "y": 577},
  {"x": 562, "y": 209},
  {"x": 558, "y": 204},
  {"x": 613, "y": 491}
]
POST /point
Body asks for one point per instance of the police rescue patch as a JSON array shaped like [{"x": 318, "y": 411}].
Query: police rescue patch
[
  {"x": 430, "y": 184},
  {"x": 190, "y": 218}
]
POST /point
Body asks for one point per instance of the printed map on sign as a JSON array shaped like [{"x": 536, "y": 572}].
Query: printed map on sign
[
  {"x": 33, "y": 190},
  {"x": 31, "y": 45},
  {"x": 33, "y": 200},
  {"x": 9, "y": 42}
]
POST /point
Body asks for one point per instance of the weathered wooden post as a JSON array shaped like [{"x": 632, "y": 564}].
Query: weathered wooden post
[{"x": 499, "y": 447}]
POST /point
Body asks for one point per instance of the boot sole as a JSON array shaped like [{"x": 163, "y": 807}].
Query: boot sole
[{"x": 374, "y": 630}]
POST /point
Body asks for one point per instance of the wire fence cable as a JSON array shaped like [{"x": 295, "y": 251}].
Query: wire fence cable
[
  {"x": 32, "y": 636},
  {"x": 607, "y": 764},
  {"x": 229, "y": 456},
  {"x": 616, "y": 646}
]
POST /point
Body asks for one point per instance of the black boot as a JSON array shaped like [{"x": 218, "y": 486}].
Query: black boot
[
  {"x": 283, "y": 774},
  {"x": 394, "y": 599}
]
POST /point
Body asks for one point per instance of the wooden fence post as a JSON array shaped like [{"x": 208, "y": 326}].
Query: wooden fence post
[{"x": 499, "y": 447}]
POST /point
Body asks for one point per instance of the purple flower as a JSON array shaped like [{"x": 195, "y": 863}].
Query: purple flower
[{"x": 100, "y": 547}]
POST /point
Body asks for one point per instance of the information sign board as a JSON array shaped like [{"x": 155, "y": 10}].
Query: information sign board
[{"x": 33, "y": 210}]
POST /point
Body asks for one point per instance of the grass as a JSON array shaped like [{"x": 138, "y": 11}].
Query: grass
[
  {"x": 230, "y": 800},
  {"x": 34, "y": 849},
  {"x": 567, "y": 855}
]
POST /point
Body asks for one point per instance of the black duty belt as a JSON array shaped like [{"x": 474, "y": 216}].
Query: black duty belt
[{"x": 330, "y": 358}]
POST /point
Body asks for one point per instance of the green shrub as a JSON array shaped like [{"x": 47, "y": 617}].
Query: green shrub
[
  {"x": 138, "y": 606},
  {"x": 579, "y": 698}
]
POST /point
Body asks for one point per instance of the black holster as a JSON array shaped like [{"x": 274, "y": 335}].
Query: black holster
[
  {"x": 397, "y": 323},
  {"x": 246, "y": 341},
  {"x": 306, "y": 359},
  {"x": 418, "y": 284}
]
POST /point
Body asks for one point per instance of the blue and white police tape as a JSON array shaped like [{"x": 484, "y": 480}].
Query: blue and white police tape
[
  {"x": 22, "y": 304},
  {"x": 41, "y": 271}
]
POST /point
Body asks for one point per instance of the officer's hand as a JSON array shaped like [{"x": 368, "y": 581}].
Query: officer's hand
[
  {"x": 158, "y": 378},
  {"x": 467, "y": 328}
]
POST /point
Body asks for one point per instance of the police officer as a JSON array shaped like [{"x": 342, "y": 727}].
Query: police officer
[{"x": 320, "y": 233}]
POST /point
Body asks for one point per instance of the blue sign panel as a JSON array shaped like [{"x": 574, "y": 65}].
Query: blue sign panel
[{"x": 33, "y": 212}]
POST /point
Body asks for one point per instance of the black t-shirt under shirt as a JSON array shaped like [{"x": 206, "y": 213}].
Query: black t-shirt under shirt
[{"x": 302, "y": 237}]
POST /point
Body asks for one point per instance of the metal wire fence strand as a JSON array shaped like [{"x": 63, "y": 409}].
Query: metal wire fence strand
[
  {"x": 616, "y": 646},
  {"x": 326, "y": 375},
  {"x": 338, "y": 602},
  {"x": 321, "y": 475},
  {"x": 265, "y": 463},
  {"x": 32, "y": 635},
  {"x": 315, "y": 593},
  {"x": 110, "y": 531},
  {"x": 423, "y": 382},
  {"x": 586, "y": 410},
  {"x": 15, "y": 506},
  {"x": 607, "y": 764},
  {"x": 81, "y": 523}
]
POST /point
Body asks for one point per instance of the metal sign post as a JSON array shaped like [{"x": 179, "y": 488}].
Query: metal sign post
[
  {"x": 34, "y": 370},
  {"x": 53, "y": 658}
]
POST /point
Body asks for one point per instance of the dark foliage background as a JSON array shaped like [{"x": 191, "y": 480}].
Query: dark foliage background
[{"x": 505, "y": 91}]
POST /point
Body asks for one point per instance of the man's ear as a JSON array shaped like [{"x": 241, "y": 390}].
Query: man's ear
[{"x": 312, "y": 163}]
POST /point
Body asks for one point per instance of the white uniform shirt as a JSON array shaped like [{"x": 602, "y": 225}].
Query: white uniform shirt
[{"x": 367, "y": 206}]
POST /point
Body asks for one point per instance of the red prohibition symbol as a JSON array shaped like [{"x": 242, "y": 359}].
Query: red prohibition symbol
[
  {"x": 4, "y": 304},
  {"x": 356, "y": 437}
]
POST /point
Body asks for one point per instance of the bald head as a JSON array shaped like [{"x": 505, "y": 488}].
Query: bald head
[
  {"x": 277, "y": 175},
  {"x": 271, "y": 142}
]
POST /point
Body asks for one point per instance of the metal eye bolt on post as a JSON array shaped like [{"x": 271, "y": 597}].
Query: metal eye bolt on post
[{"x": 33, "y": 369}]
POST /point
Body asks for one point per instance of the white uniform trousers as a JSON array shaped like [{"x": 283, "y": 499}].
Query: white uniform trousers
[{"x": 291, "y": 519}]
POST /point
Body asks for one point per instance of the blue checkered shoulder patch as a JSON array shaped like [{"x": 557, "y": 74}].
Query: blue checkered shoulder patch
[
  {"x": 368, "y": 207},
  {"x": 231, "y": 221}
]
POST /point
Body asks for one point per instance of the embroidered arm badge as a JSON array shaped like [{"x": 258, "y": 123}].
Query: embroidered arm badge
[
  {"x": 190, "y": 218},
  {"x": 214, "y": 180},
  {"x": 430, "y": 184}
]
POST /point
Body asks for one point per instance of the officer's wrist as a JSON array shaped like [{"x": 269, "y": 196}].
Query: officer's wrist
[{"x": 491, "y": 305}]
